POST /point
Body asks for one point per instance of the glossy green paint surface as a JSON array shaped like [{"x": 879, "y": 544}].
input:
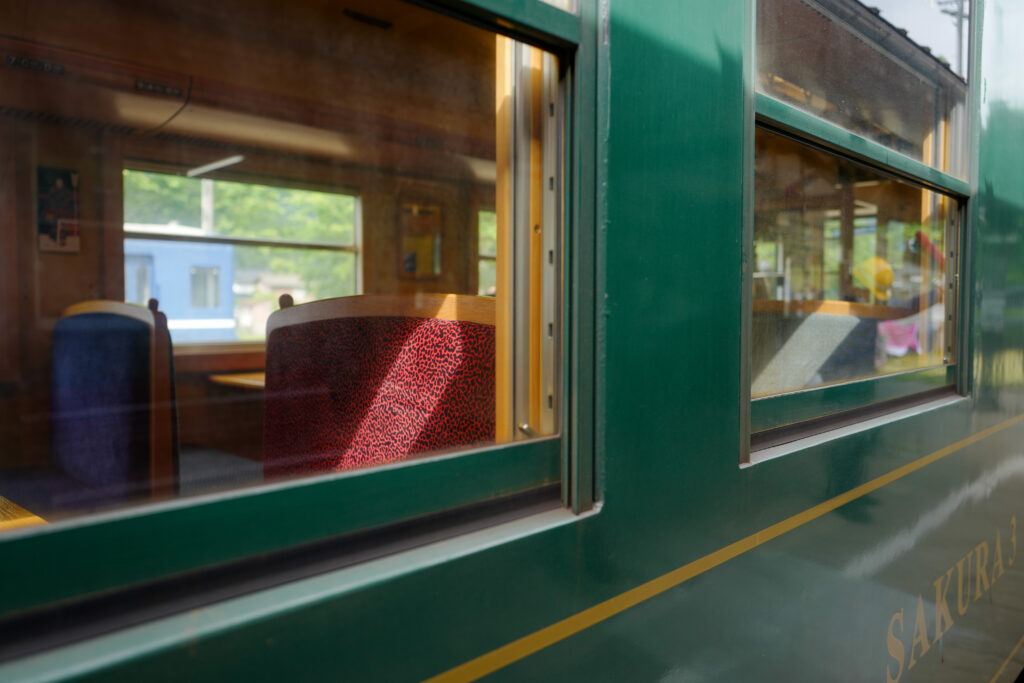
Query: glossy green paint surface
[
  {"x": 813, "y": 604},
  {"x": 133, "y": 546}
]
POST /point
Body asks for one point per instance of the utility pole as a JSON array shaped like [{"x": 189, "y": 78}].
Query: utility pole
[{"x": 960, "y": 11}]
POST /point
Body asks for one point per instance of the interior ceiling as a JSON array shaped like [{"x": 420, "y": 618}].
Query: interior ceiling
[{"x": 304, "y": 75}]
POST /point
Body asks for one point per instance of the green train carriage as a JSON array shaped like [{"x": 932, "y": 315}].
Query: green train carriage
[{"x": 622, "y": 341}]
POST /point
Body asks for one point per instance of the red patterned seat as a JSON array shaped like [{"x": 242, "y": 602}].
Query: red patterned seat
[{"x": 368, "y": 380}]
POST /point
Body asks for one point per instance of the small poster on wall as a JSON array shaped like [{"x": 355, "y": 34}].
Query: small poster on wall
[
  {"x": 58, "y": 210},
  {"x": 419, "y": 241}
]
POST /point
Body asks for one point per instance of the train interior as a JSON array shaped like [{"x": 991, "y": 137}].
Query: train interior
[{"x": 214, "y": 165}]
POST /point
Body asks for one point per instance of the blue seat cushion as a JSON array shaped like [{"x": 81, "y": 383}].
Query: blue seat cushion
[{"x": 100, "y": 398}]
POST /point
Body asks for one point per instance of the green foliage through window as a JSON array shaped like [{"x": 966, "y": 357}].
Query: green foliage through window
[{"x": 161, "y": 204}]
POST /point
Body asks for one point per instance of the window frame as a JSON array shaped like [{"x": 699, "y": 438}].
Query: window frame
[
  {"x": 814, "y": 406},
  {"x": 133, "y": 546}
]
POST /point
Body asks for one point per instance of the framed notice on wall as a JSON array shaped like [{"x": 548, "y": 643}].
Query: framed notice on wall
[
  {"x": 419, "y": 241},
  {"x": 57, "y": 221}
]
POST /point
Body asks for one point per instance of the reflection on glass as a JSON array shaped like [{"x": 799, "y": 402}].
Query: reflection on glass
[
  {"x": 852, "y": 272},
  {"x": 217, "y": 279},
  {"x": 857, "y": 66},
  {"x": 939, "y": 26}
]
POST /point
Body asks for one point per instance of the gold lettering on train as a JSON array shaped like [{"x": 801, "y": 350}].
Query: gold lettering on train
[
  {"x": 896, "y": 650},
  {"x": 963, "y": 603},
  {"x": 920, "y": 633},
  {"x": 982, "y": 571},
  {"x": 1013, "y": 525},
  {"x": 997, "y": 562},
  {"x": 941, "y": 606},
  {"x": 975, "y": 562}
]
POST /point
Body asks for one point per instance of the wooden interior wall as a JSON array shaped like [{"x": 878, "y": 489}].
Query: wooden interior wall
[
  {"x": 8, "y": 258},
  {"x": 45, "y": 283},
  {"x": 10, "y": 432},
  {"x": 329, "y": 84}
]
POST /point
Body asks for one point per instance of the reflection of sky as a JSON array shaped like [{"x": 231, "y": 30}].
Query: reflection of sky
[
  {"x": 1002, "y": 55},
  {"x": 925, "y": 24}
]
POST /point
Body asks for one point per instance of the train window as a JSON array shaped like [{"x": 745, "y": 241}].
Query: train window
[
  {"x": 487, "y": 252},
  {"x": 853, "y": 64},
  {"x": 304, "y": 178},
  {"x": 269, "y": 241},
  {"x": 854, "y": 273},
  {"x": 854, "y": 250}
]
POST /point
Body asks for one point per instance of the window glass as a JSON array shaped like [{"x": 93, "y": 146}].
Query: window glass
[
  {"x": 266, "y": 240},
  {"x": 245, "y": 210},
  {"x": 487, "y": 252},
  {"x": 257, "y": 250},
  {"x": 893, "y": 71},
  {"x": 853, "y": 274}
]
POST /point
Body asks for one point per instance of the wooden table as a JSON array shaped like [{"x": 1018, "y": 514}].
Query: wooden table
[
  {"x": 245, "y": 380},
  {"x": 13, "y": 516}
]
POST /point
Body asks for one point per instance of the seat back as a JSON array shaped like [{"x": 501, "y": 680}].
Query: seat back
[
  {"x": 112, "y": 407},
  {"x": 373, "y": 379}
]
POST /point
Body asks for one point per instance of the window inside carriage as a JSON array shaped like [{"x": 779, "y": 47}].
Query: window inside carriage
[
  {"x": 248, "y": 245},
  {"x": 268, "y": 241},
  {"x": 892, "y": 71}
]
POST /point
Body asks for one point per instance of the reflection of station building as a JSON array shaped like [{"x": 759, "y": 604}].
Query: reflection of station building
[{"x": 829, "y": 57}]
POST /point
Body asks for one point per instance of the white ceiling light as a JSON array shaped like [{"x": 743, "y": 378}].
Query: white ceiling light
[{"x": 214, "y": 165}]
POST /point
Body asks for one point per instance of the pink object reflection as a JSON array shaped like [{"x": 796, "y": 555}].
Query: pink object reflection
[{"x": 900, "y": 336}]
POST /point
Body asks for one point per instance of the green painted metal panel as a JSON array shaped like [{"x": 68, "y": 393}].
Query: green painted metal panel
[
  {"x": 582, "y": 132},
  {"x": 777, "y": 411},
  {"x": 137, "y": 545}
]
